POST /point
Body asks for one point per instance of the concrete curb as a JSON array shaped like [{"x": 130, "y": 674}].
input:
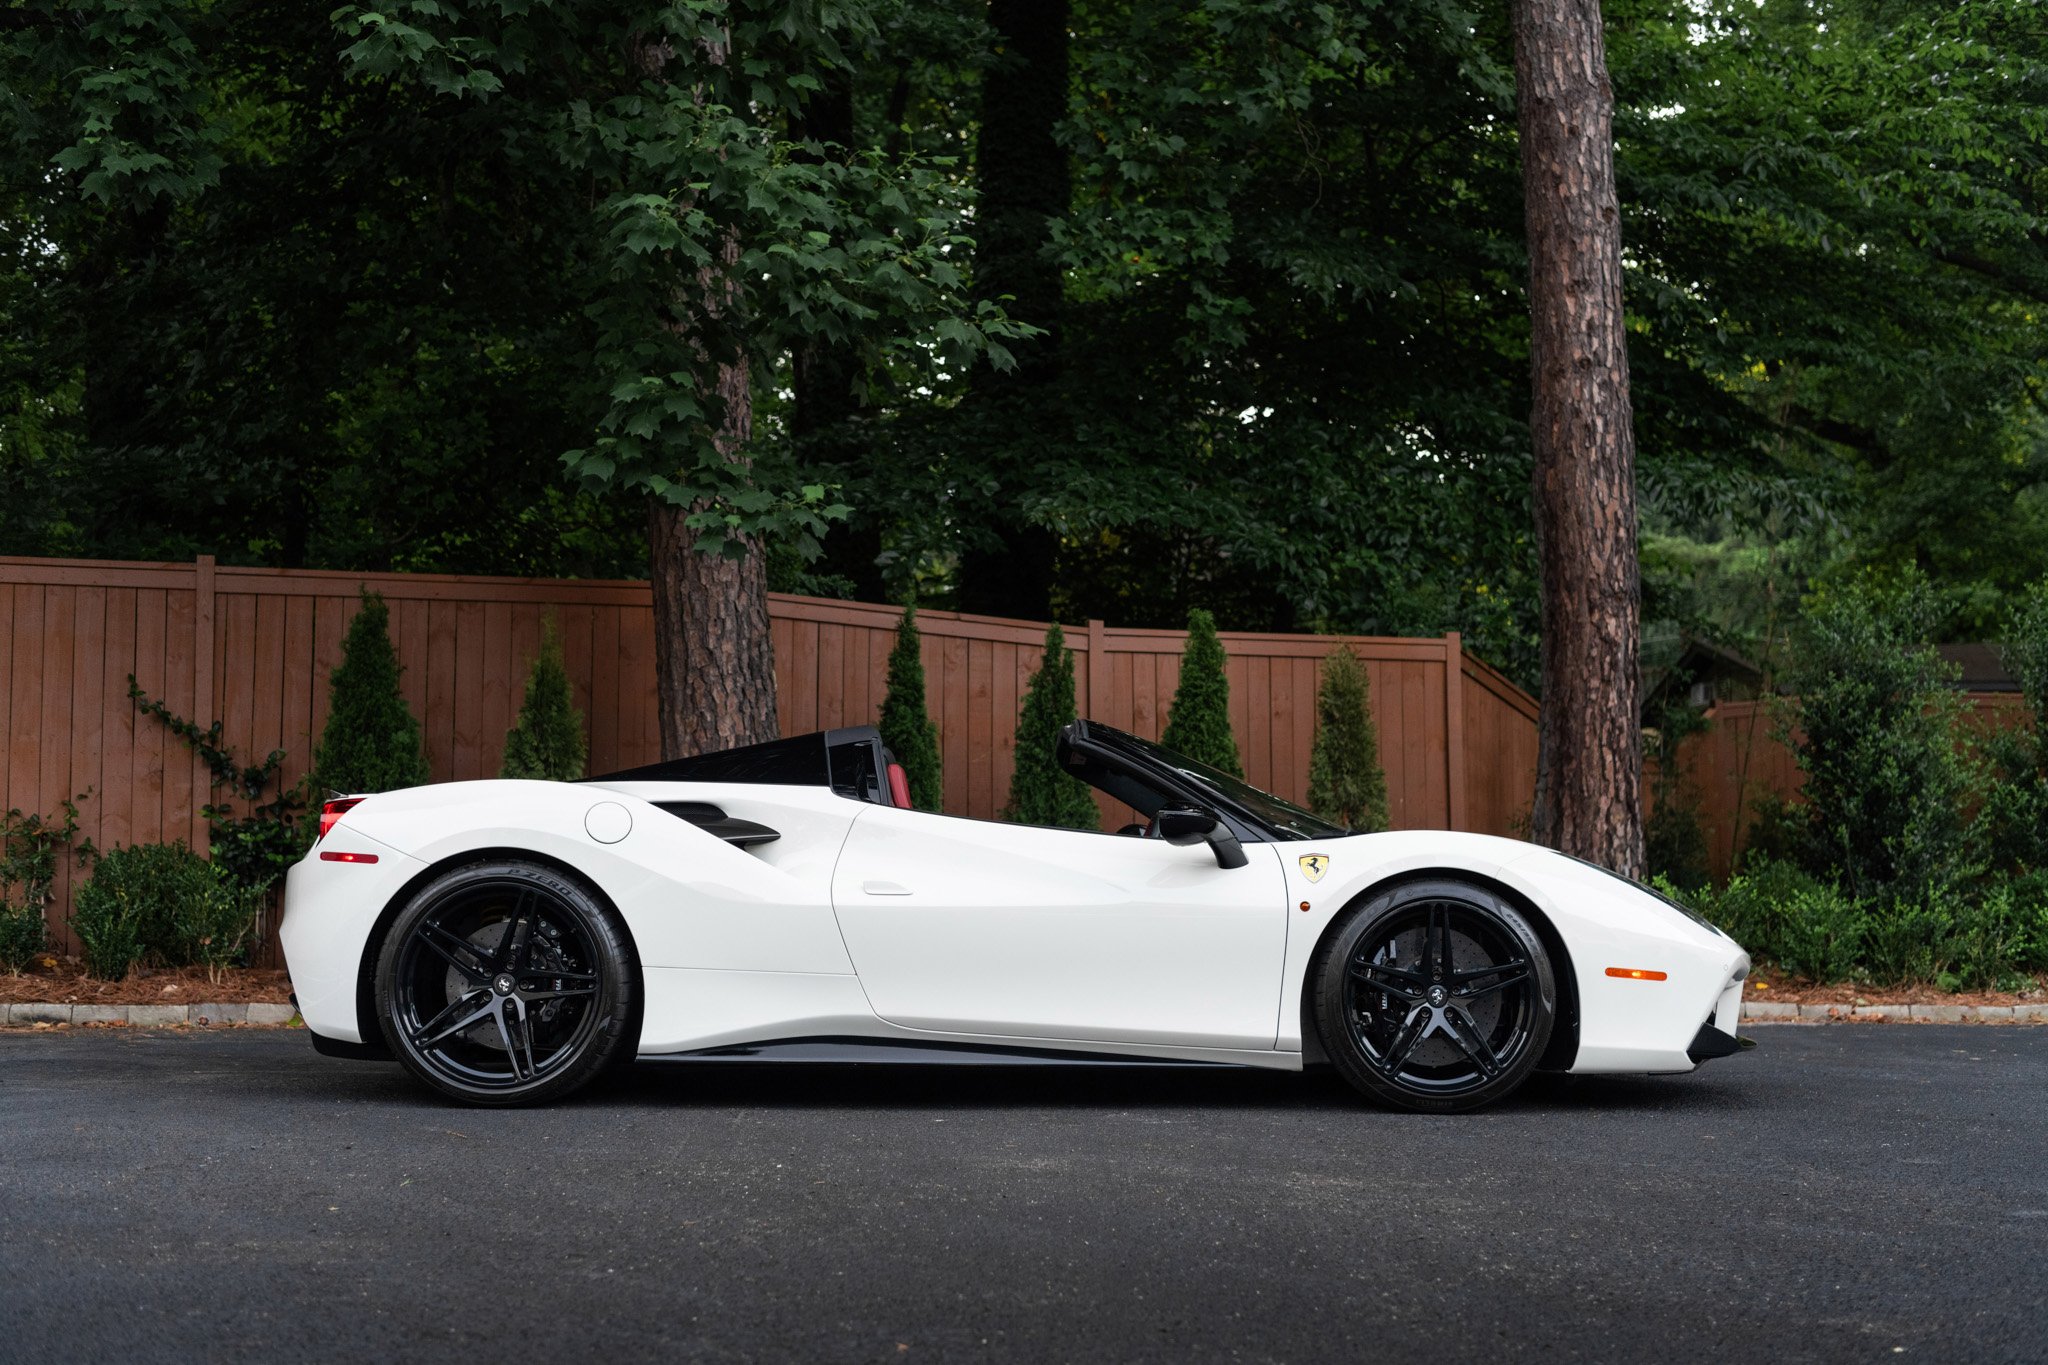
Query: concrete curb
[
  {"x": 1775, "y": 1012},
  {"x": 152, "y": 1016}
]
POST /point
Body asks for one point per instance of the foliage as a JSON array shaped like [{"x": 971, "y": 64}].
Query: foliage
[
  {"x": 2015, "y": 815},
  {"x": 1875, "y": 727},
  {"x": 713, "y": 236},
  {"x": 906, "y": 723},
  {"x": 1345, "y": 781},
  {"x": 1198, "y": 724},
  {"x": 547, "y": 742},
  {"x": 253, "y": 848},
  {"x": 213, "y": 925},
  {"x": 30, "y": 846},
  {"x": 165, "y": 902},
  {"x": 372, "y": 739},
  {"x": 1041, "y": 793},
  {"x": 131, "y": 906}
]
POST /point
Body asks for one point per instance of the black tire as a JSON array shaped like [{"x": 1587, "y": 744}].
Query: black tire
[
  {"x": 1434, "y": 996},
  {"x": 506, "y": 983}
]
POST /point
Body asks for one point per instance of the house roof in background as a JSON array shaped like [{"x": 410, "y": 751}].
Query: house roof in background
[{"x": 1982, "y": 671}]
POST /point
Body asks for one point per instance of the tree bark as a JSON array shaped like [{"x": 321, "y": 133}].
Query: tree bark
[
  {"x": 714, "y": 661},
  {"x": 1589, "y": 752}
]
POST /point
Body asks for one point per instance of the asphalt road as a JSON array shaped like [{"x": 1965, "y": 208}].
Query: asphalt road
[{"x": 1842, "y": 1193}]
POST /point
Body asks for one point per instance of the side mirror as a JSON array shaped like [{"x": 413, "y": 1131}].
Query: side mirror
[{"x": 1198, "y": 826}]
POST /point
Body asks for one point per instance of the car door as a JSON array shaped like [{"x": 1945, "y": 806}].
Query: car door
[{"x": 969, "y": 926}]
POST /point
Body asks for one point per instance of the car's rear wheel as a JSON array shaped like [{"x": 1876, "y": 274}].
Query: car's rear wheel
[
  {"x": 1435, "y": 996},
  {"x": 505, "y": 983}
]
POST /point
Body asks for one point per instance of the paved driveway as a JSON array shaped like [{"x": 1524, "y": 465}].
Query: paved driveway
[{"x": 1841, "y": 1193}]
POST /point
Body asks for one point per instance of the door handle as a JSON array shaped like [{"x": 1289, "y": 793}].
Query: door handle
[{"x": 884, "y": 889}]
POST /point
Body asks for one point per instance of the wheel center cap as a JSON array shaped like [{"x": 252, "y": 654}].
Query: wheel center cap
[
  {"x": 503, "y": 985},
  {"x": 1438, "y": 996}
]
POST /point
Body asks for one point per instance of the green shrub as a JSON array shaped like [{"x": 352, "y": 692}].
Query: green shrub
[
  {"x": 1754, "y": 905},
  {"x": 1041, "y": 793},
  {"x": 1345, "y": 780},
  {"x": 137, "y": 905},
  {"x": 1875, "y": 725},
  {"x": 214, "y": 921},
  {"x": 547, "y": 741},
  {"x": 372, "y": 740},
  {"x": 1198, "y": 725},
  {"x": 2015, "y": 814},
  {"x": 1821, "y": 934},
  {"x": 906, "y": 722},
  {"x": 1674, "y": 844},
  {"x": 29, "y": 848},
  {"x": 1910, "y": 941}
]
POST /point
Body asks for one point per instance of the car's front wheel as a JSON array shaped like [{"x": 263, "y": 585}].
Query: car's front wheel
[
  {"x": 505, "y": 983},
  {"x": 1435, "y": 996}
]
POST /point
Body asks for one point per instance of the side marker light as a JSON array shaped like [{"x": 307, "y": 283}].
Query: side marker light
[
  {"x": 330, "y": 857},
  {"x": 1304, "y": 907},
  {"x": 1636, "y": 974}
]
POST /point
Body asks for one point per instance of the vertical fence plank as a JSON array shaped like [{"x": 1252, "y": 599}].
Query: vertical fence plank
[{"x": 8, "y": 650}]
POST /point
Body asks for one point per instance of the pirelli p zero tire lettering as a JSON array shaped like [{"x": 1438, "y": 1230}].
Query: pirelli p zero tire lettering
[
  {"x": 1435, "y": 996},
  {"x": 506, "y": 982}
]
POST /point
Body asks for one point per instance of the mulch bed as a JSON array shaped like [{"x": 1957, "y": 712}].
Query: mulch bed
[
  {"x": 1770, "y": 984},
  {"x": 62, "y": 981}
]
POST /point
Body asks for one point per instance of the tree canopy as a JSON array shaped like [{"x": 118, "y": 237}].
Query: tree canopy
[{"x": 400, "y": 286}]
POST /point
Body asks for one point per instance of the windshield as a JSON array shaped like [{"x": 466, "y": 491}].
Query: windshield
[{"x": 1288, "y": 820}]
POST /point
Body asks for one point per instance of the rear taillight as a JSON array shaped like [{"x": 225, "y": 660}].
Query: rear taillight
[{"x": 333, "y": 811}]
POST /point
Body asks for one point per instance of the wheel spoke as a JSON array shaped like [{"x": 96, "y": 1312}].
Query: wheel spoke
[
  {"x": 1509, "y": 974},
  {"x": 1439, "y": 944},
  {"x": 513, "y": 940},
  {"x": 460, "y": 952},
  {"x": 511, "y": 1046},
  {"x": 1403, "y": 1045},
  {"x": 1402, "y": 985},
  {"x": 453, "y": 1020},
  {"x": 556, "y": 993},
  {"x": 524, "y": 1034},
  {"x": 1466, "y": 1034}
]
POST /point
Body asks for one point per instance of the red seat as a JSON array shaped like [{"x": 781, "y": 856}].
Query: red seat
[{"x": 899, "y": 787}]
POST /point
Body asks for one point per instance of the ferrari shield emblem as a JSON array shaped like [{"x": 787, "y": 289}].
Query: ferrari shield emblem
[{"x": 1314, "y": 865}]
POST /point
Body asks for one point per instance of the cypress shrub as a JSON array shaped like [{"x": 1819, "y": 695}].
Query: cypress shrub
[
  {"x": 372, "y": 739},
  {"x": 1345, "y": 781},
  {"x": 1199, "y": 723},
  {"x": 1041, "y": 793},
  {"x": 906, "y": 724},
  {"x": 547, "y": 742}
]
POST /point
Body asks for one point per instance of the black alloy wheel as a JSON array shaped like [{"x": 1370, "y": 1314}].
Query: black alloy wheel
[
  {"x": 1435, "y": 996},
  {"x": 505, "y": 983}
]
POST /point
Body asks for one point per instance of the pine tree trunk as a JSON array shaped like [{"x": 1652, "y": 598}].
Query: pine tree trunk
[
  {"x": 714, "y": 665},
  {"x": 714, "y": 661},
  {"x": 1589, "y": 754}
]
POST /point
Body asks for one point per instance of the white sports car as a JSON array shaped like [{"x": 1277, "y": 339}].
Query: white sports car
[{"x": 508, "y": 940}]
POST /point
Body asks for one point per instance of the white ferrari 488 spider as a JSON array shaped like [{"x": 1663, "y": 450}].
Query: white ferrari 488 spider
[{"x": 508, "y": 940}]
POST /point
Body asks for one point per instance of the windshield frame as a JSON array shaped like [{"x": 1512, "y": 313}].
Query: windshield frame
[{"x": 1276, "y": 819}]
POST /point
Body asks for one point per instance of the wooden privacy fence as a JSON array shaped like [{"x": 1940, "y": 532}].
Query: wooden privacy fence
[
  {"x": 254, "y": 649},
  {"x": 1738, "y": 761}
]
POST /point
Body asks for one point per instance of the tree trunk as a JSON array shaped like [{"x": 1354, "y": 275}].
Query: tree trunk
[
  {"x": 714, "y": 660},
  {"x": 1589, "y": 755},
  {"x": 714, "y": 665}
]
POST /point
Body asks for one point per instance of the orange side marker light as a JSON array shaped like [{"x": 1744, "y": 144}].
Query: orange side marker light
[
  {"x": 1636, "y": 974},
  {"x": 1304, "y": 907}
]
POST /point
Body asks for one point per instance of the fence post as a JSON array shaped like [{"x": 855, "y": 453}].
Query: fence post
[
  {"x": 203, "y": 709},
  {"x": 1098, "y": 670},
  {"x": 1454, "y": 728}
]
